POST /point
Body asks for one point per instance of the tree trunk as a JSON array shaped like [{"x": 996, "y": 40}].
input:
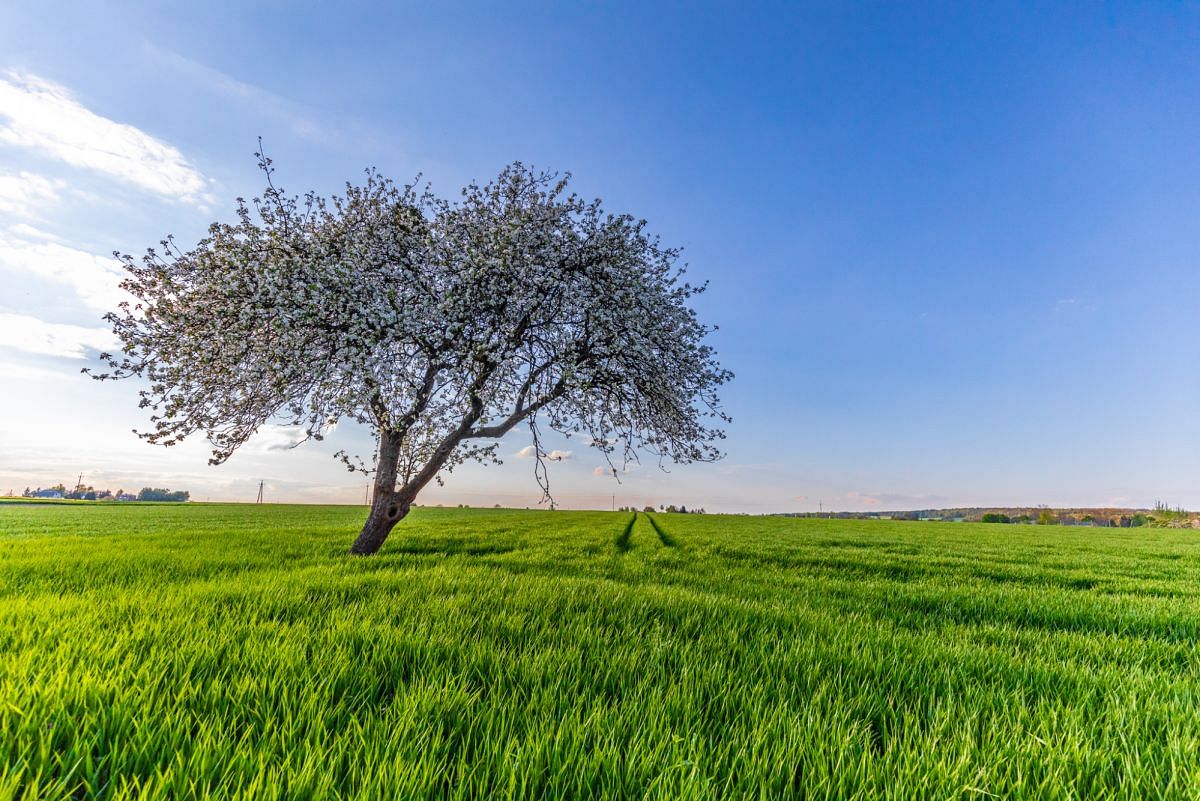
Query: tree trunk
[
  {"x": 391, "y": 505},
  {"x": 388, "y": 507},
  {"x": 386, "y": 511}
]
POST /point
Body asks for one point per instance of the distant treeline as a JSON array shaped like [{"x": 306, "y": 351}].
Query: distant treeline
[
  {"x": 162, "y": 494},
  {"x": 88, "y": 493},
  {"x": 668, "y": 508},
  {"x": 1161, "y": 516}
]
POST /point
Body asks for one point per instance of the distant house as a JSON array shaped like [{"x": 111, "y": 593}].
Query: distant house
[{"x": 47, "y": 493}]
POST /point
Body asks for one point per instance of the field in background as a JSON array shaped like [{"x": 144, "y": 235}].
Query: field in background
[{"x": 234, "y": 651}]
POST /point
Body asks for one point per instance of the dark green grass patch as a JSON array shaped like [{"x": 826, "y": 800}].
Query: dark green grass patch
[{"x": 210, "y": 651}]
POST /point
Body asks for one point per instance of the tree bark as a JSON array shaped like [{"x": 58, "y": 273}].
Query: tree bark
[{"x": 388, "y": 507}]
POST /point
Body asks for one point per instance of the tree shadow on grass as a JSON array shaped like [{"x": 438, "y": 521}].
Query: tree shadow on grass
[
  {"x": 438, "y": 549},
  {"x": 452, "y": 549}
]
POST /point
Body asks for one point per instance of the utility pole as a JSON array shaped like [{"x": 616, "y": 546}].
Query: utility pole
[
  {"x": 614, "y": 503},
  {"x": 260, "y": 491},
  {"x": 820, "y": 508}
]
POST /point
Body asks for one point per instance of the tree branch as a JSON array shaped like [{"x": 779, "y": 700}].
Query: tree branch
[{"x": 500, "y": 429}]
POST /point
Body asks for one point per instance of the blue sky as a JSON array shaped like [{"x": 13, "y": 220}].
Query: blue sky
[{"x": 953, "y": 248}]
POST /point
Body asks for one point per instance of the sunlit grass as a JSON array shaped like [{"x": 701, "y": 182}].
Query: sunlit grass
[{"x": 197, "y": 651}]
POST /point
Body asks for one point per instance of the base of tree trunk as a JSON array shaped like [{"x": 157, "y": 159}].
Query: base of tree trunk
[{"x": 386, "y": 512}]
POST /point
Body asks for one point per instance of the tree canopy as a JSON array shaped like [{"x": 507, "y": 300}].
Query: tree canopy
[{"x": 440, "y": 325}]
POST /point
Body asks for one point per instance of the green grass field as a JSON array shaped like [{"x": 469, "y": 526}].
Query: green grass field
[{"x": 197, "y": 651}]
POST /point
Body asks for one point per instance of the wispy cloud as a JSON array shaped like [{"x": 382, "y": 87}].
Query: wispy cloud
[
  {"x": 891, "y": 500},
  {"x": 20, "y": 371},
  {"x": 25, "y": 231},
  {"x": 605, "y": 470},
  {"x": 298, "y": 118},
  {"x": 862, "y": 499},
  {"x": 24, "y": 193},
  {"x": 93, "y": 278},
  {"x": 43, "y": 116},
  {"x": 33, "y": 335},
  {"x": 276, "y": 438}
]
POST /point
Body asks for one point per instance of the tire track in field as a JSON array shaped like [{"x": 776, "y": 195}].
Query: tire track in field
[
  {"x": 623, "y": 541},
  {"x": 666, "y": 539}
]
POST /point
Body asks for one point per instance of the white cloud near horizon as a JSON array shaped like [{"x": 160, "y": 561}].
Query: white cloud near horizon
[
  {"x": 94, "y": 279},
  {"x": 604, "y": 470},
  {"x": 529, "y": 451},
  {"x": 43, "y": 116},
  {"x": 32, "y": 335}
]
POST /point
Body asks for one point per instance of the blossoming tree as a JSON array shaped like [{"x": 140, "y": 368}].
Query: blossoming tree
[{"x": 442, "y": 326}]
